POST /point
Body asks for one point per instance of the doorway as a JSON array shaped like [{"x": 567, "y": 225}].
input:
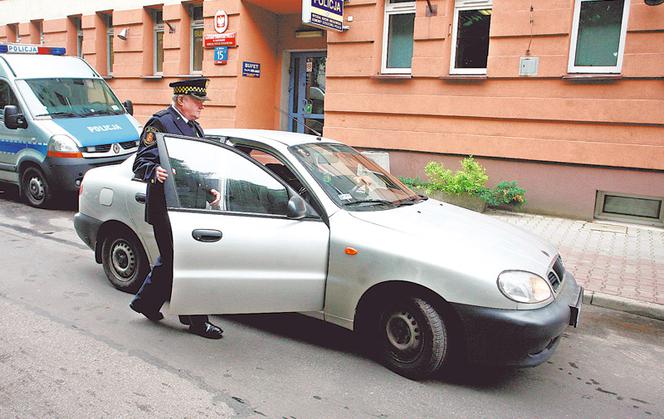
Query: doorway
[{"x": 306, "y": 92}]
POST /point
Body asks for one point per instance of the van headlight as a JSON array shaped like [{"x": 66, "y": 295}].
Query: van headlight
[
  {"x": 524, "y": 287},
  {"x": 63, "y": 146}
]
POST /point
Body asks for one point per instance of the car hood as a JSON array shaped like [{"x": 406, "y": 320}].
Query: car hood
[{"x": 456, "y": 231}]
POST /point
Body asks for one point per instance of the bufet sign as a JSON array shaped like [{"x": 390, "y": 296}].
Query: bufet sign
[
  {"x": 324, "y": 14},
  {"x": 220, "y": 21}
]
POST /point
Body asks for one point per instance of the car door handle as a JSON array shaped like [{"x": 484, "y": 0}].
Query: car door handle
[
  {"x": 140, "y": 197},
  {"x": 207, "y": 236}
]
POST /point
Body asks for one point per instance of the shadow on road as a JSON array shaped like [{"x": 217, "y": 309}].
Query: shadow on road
[{"x": 311, "y": 331}]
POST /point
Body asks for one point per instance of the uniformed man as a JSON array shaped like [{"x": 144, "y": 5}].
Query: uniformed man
[{"x": 179, "y": 118}]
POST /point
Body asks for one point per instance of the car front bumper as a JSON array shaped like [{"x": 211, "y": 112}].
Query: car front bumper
[
  {"x": 66, "y": 174},
  {"x": 524, "y": 338}
]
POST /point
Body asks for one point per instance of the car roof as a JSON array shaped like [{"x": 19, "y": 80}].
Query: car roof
[
  {"x": 266, "y": 136},
  {"x": 32, "y": 66}
]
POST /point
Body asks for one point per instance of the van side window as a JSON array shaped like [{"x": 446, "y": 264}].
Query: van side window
[{"x": 7, "y": 97}]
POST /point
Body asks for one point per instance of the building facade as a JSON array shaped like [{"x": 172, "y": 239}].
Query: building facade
[{"x": 564, "y": 96}]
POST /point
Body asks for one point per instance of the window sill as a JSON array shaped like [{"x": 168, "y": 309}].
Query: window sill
[
  {"x": 188, "y": 76},
  {"x": 392, "y": 76},
  {"x": 153, "y": 77},
  {"x": 465, "y": 77},
  {"x": 592, "y": 76},
  {"x": 107, "y": 77}
]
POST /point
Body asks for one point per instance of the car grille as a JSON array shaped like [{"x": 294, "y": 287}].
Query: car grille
[
  {"x": 102, "y": 148},
  {"x": 556, "y": 274},
  {"x": 129, "y": 144},
  {"x": 105, "y": 148}
]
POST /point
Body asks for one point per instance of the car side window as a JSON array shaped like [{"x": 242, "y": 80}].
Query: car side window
[
  {"x": 201, "y": 170},
  {"x": 7, "y": 97}
]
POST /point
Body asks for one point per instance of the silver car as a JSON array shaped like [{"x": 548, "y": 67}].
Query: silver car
[{"x": 307, "y": 224}]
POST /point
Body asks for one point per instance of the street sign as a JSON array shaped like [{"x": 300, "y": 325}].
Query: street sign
[
  {"x": 220, "y": 40},
  {"x": 220, "y": 55},
  {"x": 250, "y": 69},
  {"x": 324, "y": 14},
  {"x": 220, "y": 21}
]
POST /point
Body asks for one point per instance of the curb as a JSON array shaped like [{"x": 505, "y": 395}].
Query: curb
[{"x": 641, "y": 308}]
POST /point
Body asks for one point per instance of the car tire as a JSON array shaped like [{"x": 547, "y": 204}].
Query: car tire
[
  {"x": 412, "y": 338},
  {"x": 35, "y": 188},
  {"x": 124, "y": 260}
]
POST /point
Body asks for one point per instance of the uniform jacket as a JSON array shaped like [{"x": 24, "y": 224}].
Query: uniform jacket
[{"x": 147, "y": 158}]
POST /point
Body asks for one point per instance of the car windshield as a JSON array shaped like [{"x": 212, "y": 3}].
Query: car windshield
[
  {"x": 69, "y": 98},
  {"x": 351, "y": 180}
]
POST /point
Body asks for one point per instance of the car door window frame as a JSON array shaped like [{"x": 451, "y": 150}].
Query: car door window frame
[
  {"x": 171, "y": 192},
  {"x": 254, "y": 145}
]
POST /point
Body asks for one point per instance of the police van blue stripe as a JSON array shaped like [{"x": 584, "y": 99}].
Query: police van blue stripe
[{"x": 12, "y": 146}]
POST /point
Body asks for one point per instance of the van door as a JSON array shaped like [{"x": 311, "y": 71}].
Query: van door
[{"x": 11, "y": 140}]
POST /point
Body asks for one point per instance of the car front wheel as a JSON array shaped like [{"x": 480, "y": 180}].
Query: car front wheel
[
  {"x": 36, "y": 189},
  {"x": 413, "y": 338},
  {"x": 124, "y": 261}
]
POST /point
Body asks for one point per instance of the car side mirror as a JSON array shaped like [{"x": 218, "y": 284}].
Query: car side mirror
[
  {"x": 129, "y": 106},
  {"x": 13, "y": 118},
  {"x": 297, "y": 208}
]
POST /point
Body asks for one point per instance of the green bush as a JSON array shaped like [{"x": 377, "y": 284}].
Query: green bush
[
  {"x": 415, "y": 182},
  {"x": 504, "y": 194},
  {"x": 470, "y": 179}
]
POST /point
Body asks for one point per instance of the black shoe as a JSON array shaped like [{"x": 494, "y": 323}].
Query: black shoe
[
  {"x": 206, "y": 330},
  {"x": 154, "y": 316}
]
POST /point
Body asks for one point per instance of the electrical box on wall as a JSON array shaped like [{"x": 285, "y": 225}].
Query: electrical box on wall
[{"x": 528, "y": 66}]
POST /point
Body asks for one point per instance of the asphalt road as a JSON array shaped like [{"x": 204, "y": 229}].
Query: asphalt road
[{"x": 71, "y": 347}]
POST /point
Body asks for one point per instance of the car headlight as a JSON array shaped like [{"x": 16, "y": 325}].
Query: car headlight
[
  {"x": 524, "y": 287},
  {"x": 61, "y": 145}
]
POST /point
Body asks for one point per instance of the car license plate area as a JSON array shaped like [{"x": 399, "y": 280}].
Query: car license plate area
[{"x": 575, "y": 310}]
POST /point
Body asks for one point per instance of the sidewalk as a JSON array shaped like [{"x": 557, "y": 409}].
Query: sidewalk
[{"x": 620, "y": 266}]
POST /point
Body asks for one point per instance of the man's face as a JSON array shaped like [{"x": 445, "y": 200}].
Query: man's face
[{"x": 191, "y": 107}]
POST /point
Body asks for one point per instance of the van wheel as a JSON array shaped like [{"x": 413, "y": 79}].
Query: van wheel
[
  {"x": 124, "y": 261},
  {"x": 412, "y": 338},
  {"x": 36, "y": 190}
]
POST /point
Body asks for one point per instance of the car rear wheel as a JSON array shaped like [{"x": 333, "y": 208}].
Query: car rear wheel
[
  {"x": 412, "y": 338},
  {"x": 36, "y": 190},
  {"x": 124, "y": 261}
]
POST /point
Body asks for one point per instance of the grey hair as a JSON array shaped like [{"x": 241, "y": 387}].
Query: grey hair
[{"x": 175, "y": 98}]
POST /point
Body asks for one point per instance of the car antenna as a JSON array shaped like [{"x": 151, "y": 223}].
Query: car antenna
[{"x": 319, "y": 136}]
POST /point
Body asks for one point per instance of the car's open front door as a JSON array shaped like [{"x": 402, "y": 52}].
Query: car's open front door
[{"x": 242, "y": 255}]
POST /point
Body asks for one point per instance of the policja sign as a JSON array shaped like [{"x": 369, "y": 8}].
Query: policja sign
[{"x": 324, "y": 14}]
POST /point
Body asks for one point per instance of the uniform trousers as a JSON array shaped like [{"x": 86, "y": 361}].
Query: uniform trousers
[{"x": 158, "y": 284}]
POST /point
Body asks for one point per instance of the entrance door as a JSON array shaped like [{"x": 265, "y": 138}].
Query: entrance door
[
  {"x": 307, "y": 92},
  {"x": 242, "y": 254}
]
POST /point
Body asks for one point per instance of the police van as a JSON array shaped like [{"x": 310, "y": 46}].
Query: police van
[{"x": 59, "y": 119}]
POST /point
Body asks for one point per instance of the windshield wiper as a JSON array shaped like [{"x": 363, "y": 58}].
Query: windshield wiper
[
  {"x": 370, "y": 202},
  {"x": 55, "y": 114},
  {"x": 412, "y": 200},
  {"x": 93, "y": 113}
]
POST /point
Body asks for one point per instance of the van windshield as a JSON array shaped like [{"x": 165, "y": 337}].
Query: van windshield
[{"x": 69, "y": 98}]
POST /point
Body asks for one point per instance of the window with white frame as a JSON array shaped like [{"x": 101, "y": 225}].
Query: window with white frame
[
  {"x": 108, "y": 18},
  {"x": 470, "y": 36},
  {"x": 76, "y": 21},
  {"x": 196, "y": 52},
  {"x": 598, "y": 36},
  {"x": 398, "y": 29},
  {"x": 158, "y": 20}
]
